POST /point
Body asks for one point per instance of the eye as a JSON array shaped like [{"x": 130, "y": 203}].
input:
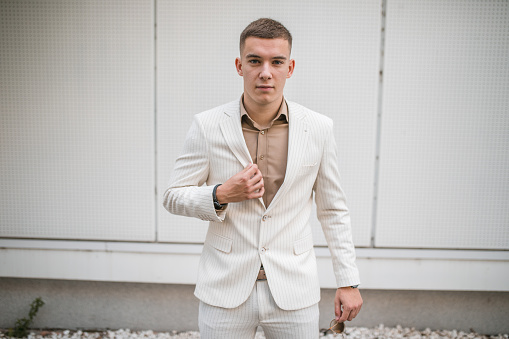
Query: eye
[
  {"x": 278, "y": 62},
  {"x": 253, "y": 61}
]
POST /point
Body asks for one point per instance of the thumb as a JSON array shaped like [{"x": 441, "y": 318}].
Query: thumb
[{"x": 337, "y": 308}]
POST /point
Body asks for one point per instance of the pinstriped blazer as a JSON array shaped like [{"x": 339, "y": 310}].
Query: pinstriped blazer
[{"x": 249, "y": 233}]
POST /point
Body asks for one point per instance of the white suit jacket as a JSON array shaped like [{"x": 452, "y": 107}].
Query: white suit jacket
[{"x": 248, "y": 233}]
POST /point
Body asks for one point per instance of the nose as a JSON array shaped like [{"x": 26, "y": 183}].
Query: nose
[{"x": 265, "y": 73}]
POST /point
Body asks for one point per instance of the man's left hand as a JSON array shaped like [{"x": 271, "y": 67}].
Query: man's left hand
[{"x": 347, "y": 304}]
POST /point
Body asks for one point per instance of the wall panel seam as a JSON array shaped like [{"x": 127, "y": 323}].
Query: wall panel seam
[
  {"x": 156, "y": 221},
  {"x": 383, "y": 12}
]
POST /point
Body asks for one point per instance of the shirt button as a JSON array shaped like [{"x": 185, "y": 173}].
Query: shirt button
[
  {"x": 261, "y": 157},
  {"x": 262, "y": 250},
  {"x": 262, "y": 132}
]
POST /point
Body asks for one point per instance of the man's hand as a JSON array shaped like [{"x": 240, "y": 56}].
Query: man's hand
[
  {"x": 347, "y": 304},
  {"x": 245, "y": 185}
]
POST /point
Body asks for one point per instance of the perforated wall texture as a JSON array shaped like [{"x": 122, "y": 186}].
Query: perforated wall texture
[
  {"x": 77, "y": 119},
  {"x": 336, "y": 48},
  {"x": 96, "y": 101},
  {"x": 444, "y": 179}
]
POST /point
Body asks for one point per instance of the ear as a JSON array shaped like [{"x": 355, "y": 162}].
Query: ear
[
  {"x": 238, "y": 66},
  {"x": 291, "y": 67}
]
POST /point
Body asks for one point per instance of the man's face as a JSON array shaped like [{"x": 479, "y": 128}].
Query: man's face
[{"x": 265, "y": 65}]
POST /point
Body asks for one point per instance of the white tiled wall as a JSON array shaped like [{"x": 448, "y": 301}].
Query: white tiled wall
[
  {"x": 96, "y": 100},
  {"x": 444, "y": 175},
  {"x": 77, "y": 120}
]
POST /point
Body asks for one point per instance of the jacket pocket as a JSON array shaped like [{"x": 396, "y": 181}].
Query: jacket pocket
[
  {"x": 219, "y": 242},
  {"x": 307, "y": 168},
  {"x": 303, "y": 245}
]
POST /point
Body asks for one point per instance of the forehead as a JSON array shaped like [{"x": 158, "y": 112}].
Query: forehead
[{"x": 266, "y": 48}]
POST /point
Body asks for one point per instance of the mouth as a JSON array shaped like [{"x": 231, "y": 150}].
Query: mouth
[{"x": 264, "y": 87}]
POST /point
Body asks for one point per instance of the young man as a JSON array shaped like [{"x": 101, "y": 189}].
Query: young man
[{"x": 250, "y": 167}]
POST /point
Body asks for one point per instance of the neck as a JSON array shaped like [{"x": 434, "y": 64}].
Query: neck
[{"x": 262, "y": 114}]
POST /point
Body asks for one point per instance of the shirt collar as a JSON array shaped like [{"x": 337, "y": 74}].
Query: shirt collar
[{"x": 282, "y": 113}]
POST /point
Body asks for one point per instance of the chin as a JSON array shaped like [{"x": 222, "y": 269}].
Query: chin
[{"x": 266, "y": 98}]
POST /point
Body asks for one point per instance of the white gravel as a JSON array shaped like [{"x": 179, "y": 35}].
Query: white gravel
[{"x": 379, "y": 332}]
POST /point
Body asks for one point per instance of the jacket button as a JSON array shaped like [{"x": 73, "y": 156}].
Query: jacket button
[{"x": 264, "y": 218}]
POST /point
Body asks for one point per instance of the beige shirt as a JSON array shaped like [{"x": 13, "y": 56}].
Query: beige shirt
[{"x": 268, "y": 147}]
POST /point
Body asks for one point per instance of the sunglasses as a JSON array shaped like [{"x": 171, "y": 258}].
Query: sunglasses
[{"x": 336, "y": 326}]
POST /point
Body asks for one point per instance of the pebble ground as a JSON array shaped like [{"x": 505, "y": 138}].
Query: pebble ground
[{"x": 379, "y": 332}]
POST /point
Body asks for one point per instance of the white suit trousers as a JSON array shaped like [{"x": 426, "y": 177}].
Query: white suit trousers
[{"x": 259, "y": 309}]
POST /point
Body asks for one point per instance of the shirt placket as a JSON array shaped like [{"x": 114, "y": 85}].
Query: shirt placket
[{"x": 261, "y": 152}]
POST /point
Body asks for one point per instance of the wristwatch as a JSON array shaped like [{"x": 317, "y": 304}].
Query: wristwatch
[
  {"x": 354, "y": 286},
  {"x": 217, "y": 205}
]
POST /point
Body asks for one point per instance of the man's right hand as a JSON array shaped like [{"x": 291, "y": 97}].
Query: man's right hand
[{"x": 245, "y": 185}]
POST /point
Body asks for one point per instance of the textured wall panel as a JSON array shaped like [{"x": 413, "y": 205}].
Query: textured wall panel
[
  {"x": 77, "y": 119},
  {"x": 336, "y": 48},
  {"x": 444, "y": 175}
]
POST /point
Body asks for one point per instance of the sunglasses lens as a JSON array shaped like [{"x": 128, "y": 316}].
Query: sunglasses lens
[{"x": 337, "y": 327}]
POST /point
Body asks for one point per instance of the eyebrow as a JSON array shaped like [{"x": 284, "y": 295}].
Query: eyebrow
[{"x": 279, "y": 57}]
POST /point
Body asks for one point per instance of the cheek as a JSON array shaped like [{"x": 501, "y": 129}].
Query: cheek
[
  {"x": 282, "y": 79},
  {"x": 248, "y": 78}
]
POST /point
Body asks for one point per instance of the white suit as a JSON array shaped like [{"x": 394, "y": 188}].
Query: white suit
[{"x": 248, "y": 233}]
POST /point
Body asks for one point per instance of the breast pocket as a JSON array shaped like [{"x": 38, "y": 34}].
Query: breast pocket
[{"x": 308, "y": 168}]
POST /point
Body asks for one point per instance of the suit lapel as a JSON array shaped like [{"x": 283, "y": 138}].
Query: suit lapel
[
  {"x": 297, "y": 141},
  {"x": 232, "y": 132},
  {"x": 231, "y": 128}
]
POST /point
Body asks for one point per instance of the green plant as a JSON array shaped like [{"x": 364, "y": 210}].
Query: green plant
[{"x": 22, "y": 325}]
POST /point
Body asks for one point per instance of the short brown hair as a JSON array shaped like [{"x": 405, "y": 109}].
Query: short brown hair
[{"x": 265, "y": 28}]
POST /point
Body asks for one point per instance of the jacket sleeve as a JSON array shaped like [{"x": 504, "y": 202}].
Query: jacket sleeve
[
  {"x": 333, "y": 215},
  {"x": 186, "y": 193}
]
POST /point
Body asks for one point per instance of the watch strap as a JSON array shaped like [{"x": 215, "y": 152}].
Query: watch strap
[{"x": 217, "y": 205}]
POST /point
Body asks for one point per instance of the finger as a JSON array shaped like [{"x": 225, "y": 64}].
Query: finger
[
  {"x": 251, "y": 171},
  {"x": 344, "y": 316},
  {"x": 261, "y": 192},
  {"x": 257, "y": 186},
  {"x": 256, "y": 194},
  {"x": 247, "y": 168},
  {"x": 356, "y": 311},
  {"x": 337, "y": 310},
  {"x": 351, "y": 316},
  {"x": 256, "y": 178}
]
